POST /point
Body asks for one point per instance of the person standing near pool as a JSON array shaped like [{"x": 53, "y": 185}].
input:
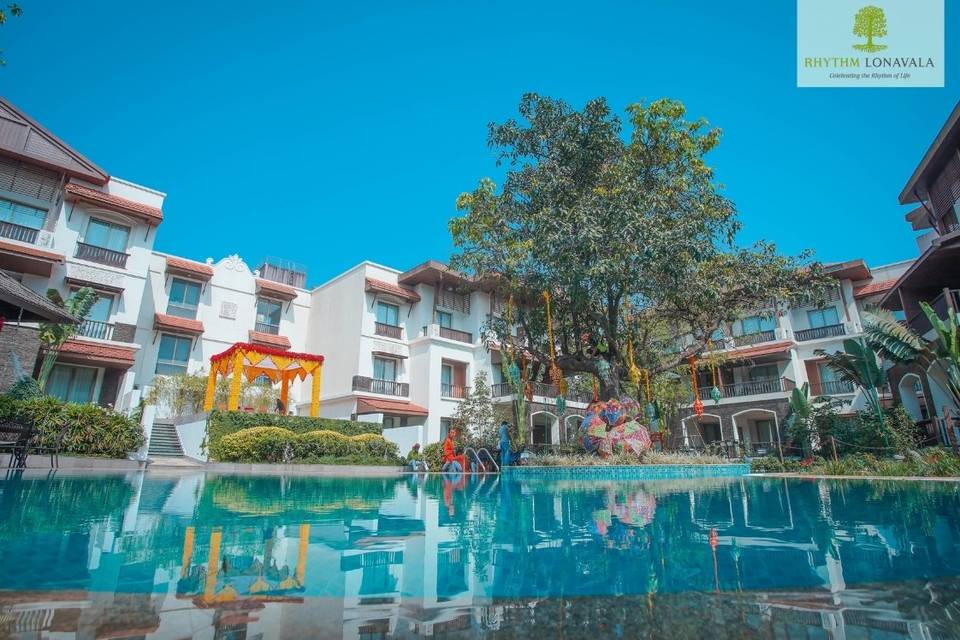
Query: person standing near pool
[{"x": 505, "y": 453}]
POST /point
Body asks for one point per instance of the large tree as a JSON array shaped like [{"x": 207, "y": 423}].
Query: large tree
[{"x": 628, "y": 231}]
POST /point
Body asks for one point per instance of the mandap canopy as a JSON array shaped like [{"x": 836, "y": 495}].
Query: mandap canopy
[{"x": 253, "y": 361}]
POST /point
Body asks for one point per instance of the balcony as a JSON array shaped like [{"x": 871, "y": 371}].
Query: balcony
[
  {"x": 454, "y": 334},
  {"x": 100, "y": 255},
  {"x": 745, "y": 340},
  {"x": 752, "y": 388},
  {"x": 829, "y": 331},
  {"x": 383, "y": 387},
  {"x": 940, "y": 305},
  {"x": 264, "y": 327},
  {"x": 455, "y": 391},
  {"x": 388, "y": 330},
  {"x": 831, "y": 388},
  {"x": 18, "y": 232},
  {"x": 95, "y": 329},
  {"x": 501, "y": 390}
]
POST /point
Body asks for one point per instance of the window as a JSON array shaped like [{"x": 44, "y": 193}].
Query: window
[
  {"x": 174, "y": 355},
  {"x": 823, "y": 317},
  {"x": 764, "y": 372},
  {"x": 445, "y": 319},
  {"x": 184, "y": 298},
  {"x": 100, "y": 311},
  {"x": 446, "y": 375},
  {"x": 388, "y": 314},
  {"x": 21, "y": 214},
  {"x": 390, "y": 422},
  {"x": 826, "y": 373},
  {"x": 107, "y": 235},
  {"x": 72, "y": 384},
  {"x": 445, "y": 424},
  {"x": 757, "y": 324},
  {"x": 268, "y": 316},
  {"x": 385, "y": 369}
]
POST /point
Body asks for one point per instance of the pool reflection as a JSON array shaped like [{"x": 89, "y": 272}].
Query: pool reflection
[{"x": 228, "y": 556}]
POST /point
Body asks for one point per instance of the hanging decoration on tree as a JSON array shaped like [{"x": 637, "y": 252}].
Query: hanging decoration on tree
[
  {"x": 556, "y": 375},
  {"x": 596, "y": 388},
  {"x": 715, "y": 392},
  {"x": 651, "y": 409},
  {"x": 695, "y": 386}
]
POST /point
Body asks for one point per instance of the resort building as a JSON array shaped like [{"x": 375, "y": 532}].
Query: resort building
[
  {"x": 933, "y": 191},
  {"x": 758, "y": 362}
]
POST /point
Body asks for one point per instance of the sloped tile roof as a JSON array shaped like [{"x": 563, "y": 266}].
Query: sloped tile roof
[
  {"x": 379, "y": 286},
  {"x": 272, "y": 289},
  {"x": 874, "y": 288},
  {"x": 760, "y": 350},
  {"x": 151, "y": 215},
  {"x": 165, "y": 322},
  {"x": 189, "y": 268},
  {"x": 395, "y": 407},
  {"x": 270, "y": 340},
  {"x": 35, "y": 306},
  {"x": 31, "y": 252},
  {"x": 94, "y": 351}
]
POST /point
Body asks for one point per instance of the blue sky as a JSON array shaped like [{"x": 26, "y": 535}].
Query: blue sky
[{"x": 332, "y": 133}]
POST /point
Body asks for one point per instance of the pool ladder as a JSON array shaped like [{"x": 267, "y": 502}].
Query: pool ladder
[{"x": 478, "y": 456}]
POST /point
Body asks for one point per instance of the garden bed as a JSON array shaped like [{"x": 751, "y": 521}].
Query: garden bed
[{"x": 933, "y": 463}]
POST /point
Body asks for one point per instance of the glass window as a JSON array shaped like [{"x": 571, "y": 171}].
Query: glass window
[
  {"x": 390, "y": 422},
  {"x": 268, "y": 315},
  {"x": 445, "y": 319},
  {"x": 823, "y": 317},
  {"x": 758, "y": 324},
  {"x": 385, "y": 369},
  {"x": 388, "y": 314},
  {"x": 100, "y": 311},
  {"x": 764, "y": 372},
  {"x": 72, "y": 384},
  {"x": 174, "y": 354},
  {"x": 826, "y": 373},
  {"x": 446, "y": 375},
  {"x": 22, "y": 214},
  {"x": 184, "y": 298},
  {"x": 107, "y": 235}
]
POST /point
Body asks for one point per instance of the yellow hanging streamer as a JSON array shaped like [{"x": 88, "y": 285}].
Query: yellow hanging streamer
[{"x": 556, "y": 376}]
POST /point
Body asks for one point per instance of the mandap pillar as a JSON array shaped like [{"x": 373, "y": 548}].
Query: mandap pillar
[
  {"x": 284, "y": 391},
  {"x": 233, "y": 403},
  {"x": 315, "y": 392},
  {"x": 211, "y": 388}
]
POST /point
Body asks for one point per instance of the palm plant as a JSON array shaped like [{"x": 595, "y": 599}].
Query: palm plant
[
  {"x": 53, "y": 335},
  {"x": 939, "y": 358},
  {"x": 859, "y": 365}
]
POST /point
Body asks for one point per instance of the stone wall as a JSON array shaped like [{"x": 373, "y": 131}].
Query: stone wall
[{"x": 18, "y": 343}]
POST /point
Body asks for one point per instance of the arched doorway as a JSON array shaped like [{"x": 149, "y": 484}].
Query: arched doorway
[
  {"x": 758, "y": 427},
  {"x": 699, "y": 431},
  {"x": 544, "y": 428},
  {"x": 571, "y": 426},
  {"x": 912, "y": 397}
]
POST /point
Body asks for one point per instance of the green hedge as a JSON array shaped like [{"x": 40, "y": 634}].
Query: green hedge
[
  {"x": 278, "y": 445},
  {"x": 87, "y": 429},
  {"x": 223, "y": 423}
]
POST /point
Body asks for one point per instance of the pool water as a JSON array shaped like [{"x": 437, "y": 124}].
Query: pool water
[{"x": 230, "y": 556}]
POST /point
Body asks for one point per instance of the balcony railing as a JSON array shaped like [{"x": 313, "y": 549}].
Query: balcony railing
[
  {"x": 103, "y": 256},
  {"x": 745, "y": 340},
  {"x": 752, "y": 388},
  {"x": 831, "y": 387},
  {"x": 501, "y": 390},
  {"x": 453, "y": 391},
  {"x": 95, "y": 329},
  {"x": 384, "y": 387},
  {"x": 454, "y": 334},
  {"x": 264, "y": 327},
  {"x": 18, "y": 232},
  {"x": 388, "y": 330},
  {"x": 828, "y": 331}
]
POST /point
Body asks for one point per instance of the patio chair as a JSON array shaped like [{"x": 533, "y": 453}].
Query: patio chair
[
  {"x": 51, "y": 448},
  {"x": 15, "y": 438}
]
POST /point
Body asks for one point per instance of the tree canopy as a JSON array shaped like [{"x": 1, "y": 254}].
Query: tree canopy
[{"x": 628, "y": 231}]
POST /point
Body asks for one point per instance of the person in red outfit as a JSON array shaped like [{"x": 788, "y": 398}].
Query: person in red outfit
[{"x": 449, "y": 451}]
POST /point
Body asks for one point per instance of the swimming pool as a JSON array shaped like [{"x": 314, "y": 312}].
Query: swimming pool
[{"x": 233, "y": 556}]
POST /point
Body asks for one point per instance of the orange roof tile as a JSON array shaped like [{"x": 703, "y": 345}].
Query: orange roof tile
[
  {"x": 272, "y": 289},
  {"x": 270, "y": 340},
  {"x": 32, "y": 252},
  {"x": 379, "y": 286},
  {"x": 189, "y": 268},
  {"x": 75, "y": 349},
  {"x": 152, "y": 215},
  {"x": 395, "y": 407},
  {"x": 163, "y": 322},
  {"x": 873, "y": 288}
]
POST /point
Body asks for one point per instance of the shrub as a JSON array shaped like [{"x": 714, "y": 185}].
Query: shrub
[
  {"x": 375, "y": 446},
  {"x": 433, "y": 456},
  {"x": 325, "y": 443},
  {"x": 223, "y": 423},
  {"x": 83, "y": 429},
  {"x": 258, "y": 444}
]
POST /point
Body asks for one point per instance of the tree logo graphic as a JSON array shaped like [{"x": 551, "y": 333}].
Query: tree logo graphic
[{"x": 870, "y": 22}]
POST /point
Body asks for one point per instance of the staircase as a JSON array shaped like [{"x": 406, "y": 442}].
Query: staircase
[{"x": 164, "y": 441}]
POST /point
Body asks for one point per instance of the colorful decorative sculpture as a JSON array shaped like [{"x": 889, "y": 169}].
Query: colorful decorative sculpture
[{"x": 614, "y": 427}]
